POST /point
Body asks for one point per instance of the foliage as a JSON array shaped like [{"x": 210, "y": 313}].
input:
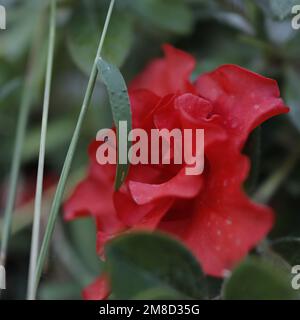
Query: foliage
[{"x": 253, "y": 34}]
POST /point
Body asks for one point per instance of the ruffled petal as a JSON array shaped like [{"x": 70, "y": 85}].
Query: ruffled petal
[
  {"x": 193, "y": 107},
  {"x": 222, "y": 235},
  {"x": 189, "y": 111},
  {"x": 167, "y": 75},
  {"x": 94, "y": 196},
  {"x": 181, "y": 186},
  {"x": 142, "y": 102},
  {"x": 243, "y": 98},
  {"x": 131, "y": 213},
  {"x": 225, "y": 223},
  {"x": 134, "y": 217}
]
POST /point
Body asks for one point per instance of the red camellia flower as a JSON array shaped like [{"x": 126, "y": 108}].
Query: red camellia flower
[{"x": 209, "y": 213}]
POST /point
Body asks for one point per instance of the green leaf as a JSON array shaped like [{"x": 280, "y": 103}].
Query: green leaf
[
  {"x": 63, "y": 290},
  {"x": 256, "y": 279},
  {"x": 83, "y": 34},
  {"x": 141, "y": 262},
  {"x": 171, "y": 15},
  {"x": 159, "y": 294},
  {"x": 288, "y": 248},
  {"x": 120, "y": 105},
  {"x": 83, "y": 235},
  {"x": 292, "y": 94}
]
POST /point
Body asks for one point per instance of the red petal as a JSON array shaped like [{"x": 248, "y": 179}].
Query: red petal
[
  {"x": 194, "y": 112},
  {"x": 181, "y": 186},
  {"x": 98, "y": 290},
  {"x": 142, "y": 103},
  {"x": 191, "y": 112},
  {"x": 244, "y": 99},
  {"x": 167, "y": 75},
  {"x": 193, "y": 107},
  {"x": 130, "y": 213},
  {"x": 94, "y": 196},
  {"x": 222, "y": 235},
  {"x": 226, "y": 224}
]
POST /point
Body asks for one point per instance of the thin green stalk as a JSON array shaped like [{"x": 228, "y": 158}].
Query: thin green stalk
[
  {"x": 272, "y": 184},
  {"x": 68, "y": 161},
  {"x": 40, "y": 172},
  {"x": 28, "y": 95}
]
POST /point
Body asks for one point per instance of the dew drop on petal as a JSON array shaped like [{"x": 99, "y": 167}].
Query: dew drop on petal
[
  {"x": 228, "y": 221},
  {"x": 234, "y": 125}
]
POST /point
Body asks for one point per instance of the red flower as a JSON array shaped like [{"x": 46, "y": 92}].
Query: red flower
[
  {"x": 210, "y": 213},
  {"x": 98, "y": 290}
]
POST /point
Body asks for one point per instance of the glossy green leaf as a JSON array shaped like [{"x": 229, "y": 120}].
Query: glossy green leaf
[
  {"x": 83, "y": 236},
  {"x": 120, "y": 106},
  {"x": 83, "y": 34},
  {"x": 257, "y": 279},
  {"x": 141, "y": 262}
]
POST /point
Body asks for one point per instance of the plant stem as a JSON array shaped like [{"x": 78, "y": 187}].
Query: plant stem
[
  {"x": 271, "y": 185},
  {"x": 27, "y": 98},
  {"x": 40, "y": 172},
  {"x": 68, "y": 161}
]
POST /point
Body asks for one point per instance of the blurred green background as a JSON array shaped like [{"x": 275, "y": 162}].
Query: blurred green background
[{"x": 254, "y": 34}]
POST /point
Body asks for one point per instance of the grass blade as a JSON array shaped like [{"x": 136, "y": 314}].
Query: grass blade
[
  {"x": 28, "y": 96},
  {"x": 40, "y": 173},
  {"x": 268, "y": 189},
  {"x": 68, "y": 161}
]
